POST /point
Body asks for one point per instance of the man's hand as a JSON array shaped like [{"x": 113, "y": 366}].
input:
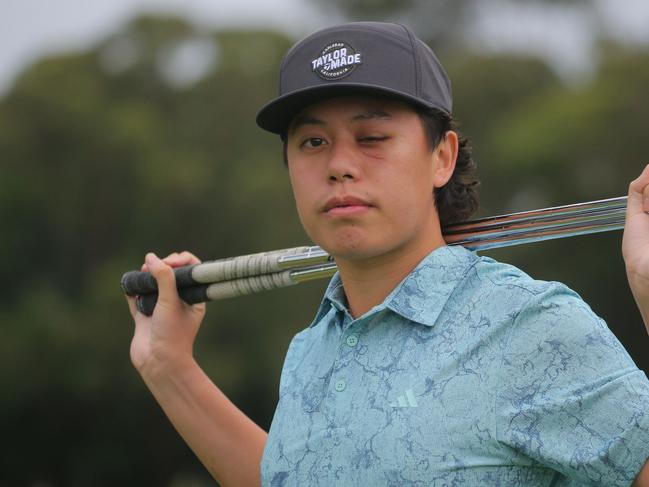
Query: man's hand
[
  {"x": 166, "y": 337},
  {"x": 228, "y": 443},
  {"x": 635, "y": 243}
]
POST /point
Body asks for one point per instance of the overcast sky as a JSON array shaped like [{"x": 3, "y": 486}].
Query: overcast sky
[{"x": 30, "y": 29}]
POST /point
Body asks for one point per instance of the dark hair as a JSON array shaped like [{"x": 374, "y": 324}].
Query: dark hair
[{"x": 458, "y": 199}]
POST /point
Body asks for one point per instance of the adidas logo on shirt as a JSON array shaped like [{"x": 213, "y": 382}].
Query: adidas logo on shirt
[{"x": 406, "y": 400}]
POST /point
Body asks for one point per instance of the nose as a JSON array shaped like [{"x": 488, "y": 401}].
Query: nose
[{"x": 343, "y": 163}]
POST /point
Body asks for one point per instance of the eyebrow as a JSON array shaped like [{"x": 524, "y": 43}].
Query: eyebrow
[
  {"x": 306, "y": 119},
  {"x": 371, "y": 115}
]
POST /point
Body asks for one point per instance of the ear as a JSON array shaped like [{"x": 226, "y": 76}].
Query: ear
[{"x": 445, "y": 156}]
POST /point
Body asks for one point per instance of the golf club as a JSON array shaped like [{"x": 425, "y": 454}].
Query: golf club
[{"x": 253, "y": 273}]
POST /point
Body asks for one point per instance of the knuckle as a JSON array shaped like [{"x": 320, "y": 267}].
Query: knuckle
[
  {"x": 189, "y": 256},
  {"x": 165, "y": 272}
]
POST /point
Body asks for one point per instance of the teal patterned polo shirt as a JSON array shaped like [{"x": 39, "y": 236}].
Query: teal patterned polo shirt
[{"x": 469, "y": 373}]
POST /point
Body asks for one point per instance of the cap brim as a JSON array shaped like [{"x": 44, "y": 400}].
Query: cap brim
[{"x": 276, "y": 115}]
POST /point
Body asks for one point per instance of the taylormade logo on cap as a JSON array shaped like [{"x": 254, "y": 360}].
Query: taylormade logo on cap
[{"x": 336, "y": 60}]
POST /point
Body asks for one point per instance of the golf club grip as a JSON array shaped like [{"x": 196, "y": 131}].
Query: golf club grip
[
  {"x": 228, "y": 269},
  {"x": 190, "y": 295},
  {"x": 220, "y": 290},
  {"x": 138, "y": 282}
]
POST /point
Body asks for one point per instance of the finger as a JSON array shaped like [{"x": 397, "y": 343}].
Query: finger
[
  {"x": 171, "y": 256},
  {"x": 144, "y": 268},
  {"x": 638, "y": 201},
  {"x": 132, "y": 306},
  {"x": 164, "y": 276},
  {"x": 181, "y": 259},
  {"x": 174, "y": 260},
  {"x": 189, "y": 258}
]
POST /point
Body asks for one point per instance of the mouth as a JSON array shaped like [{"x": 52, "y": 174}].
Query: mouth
[{"x": 346, "y": 205}]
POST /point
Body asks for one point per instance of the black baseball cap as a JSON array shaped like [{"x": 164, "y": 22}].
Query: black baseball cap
[{"x": 360, "y": 58}]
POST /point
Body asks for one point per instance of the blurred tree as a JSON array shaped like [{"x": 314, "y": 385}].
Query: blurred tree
[
  {"x": 107, "y": 154},
  {"x": 486, "y": 90}
]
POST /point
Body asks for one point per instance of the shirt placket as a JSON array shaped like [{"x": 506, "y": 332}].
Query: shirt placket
[{"x": 347, "y": 375}]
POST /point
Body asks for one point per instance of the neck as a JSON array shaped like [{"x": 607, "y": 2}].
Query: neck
[{"x": 368, "y": 282}]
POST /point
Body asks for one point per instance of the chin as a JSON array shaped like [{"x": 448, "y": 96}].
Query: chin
[{"x": 353, "y": 248}]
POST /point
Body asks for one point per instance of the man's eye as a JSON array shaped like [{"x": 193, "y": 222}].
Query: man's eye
[
  {"x": 372, "y": 139},
  {"x": 313, "y": 142}
]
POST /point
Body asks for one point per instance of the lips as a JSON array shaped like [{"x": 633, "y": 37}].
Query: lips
[{"x": 346, "y": 203}]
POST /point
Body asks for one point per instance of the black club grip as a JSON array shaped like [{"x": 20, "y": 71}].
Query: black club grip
[
  {"x": 190, "y": 295},
  {"x": 136, "y": 282}
]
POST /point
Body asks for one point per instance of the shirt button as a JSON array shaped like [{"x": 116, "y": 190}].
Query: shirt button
[
  {"x": 340, "y": 385},
  {"x": 352, "y": 340}
]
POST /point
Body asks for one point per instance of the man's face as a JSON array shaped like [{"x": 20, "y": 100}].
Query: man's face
[{"x": 363, "y": 176}]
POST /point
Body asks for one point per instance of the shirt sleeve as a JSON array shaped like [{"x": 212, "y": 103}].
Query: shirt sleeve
[{"x": 570, "y": 397}]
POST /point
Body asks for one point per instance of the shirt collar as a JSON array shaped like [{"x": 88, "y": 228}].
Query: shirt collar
[
  {"x": 421, "y": 296},
  {"x": 334, "y": 297}
]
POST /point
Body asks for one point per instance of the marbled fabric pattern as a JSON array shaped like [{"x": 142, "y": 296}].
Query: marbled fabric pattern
[{"x": 469, "y": 373}]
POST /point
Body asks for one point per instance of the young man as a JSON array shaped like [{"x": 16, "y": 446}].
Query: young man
[{"x": 425, "y": 364}]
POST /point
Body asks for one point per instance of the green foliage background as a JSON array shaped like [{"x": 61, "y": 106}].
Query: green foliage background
[{"x": 101, "y": 162}]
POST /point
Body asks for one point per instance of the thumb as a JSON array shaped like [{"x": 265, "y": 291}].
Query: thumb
[
  {"x": 166, "y": 279},
  {"x": 638, "y": 194}
]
